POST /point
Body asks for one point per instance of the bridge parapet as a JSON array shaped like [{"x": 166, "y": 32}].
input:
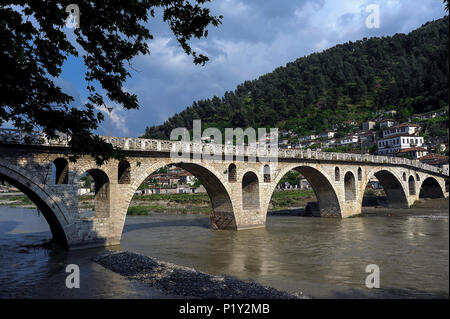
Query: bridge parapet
[{"x": 14, "y": 136}]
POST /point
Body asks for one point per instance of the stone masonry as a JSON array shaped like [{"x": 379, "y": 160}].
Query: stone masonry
[{"x": 240, "y": 190}]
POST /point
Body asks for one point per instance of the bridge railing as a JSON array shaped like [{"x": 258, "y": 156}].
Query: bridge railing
[{"x": 14, "y": 136}]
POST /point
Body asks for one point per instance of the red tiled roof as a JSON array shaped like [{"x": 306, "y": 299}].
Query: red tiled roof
[
  {"x": 398, "y": 135},
  {"x": 435, "y": 159},
  {"x": 434, "y": 156},
  {"x": 404, "y": 125},
  {"x": 411, "y": 149}
]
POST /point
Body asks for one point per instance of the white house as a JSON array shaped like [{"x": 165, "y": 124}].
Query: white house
[
  {"x": 405, "y": 128},
  {"x": 412, "y": 152},
  {"x": 330, "y": 142},
  {"x": 387, "y": 123},
  {"x": 394, "y": 143},
  {"x": 351, "y": 139},
  {"x": 83, "y": 191},
  {"x": 307, "y": 138},
  {"x": 327, "y": 135}
]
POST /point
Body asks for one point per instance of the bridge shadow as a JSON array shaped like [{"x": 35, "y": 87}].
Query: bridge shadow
[
  {"x": 194, "y": 222},
  {"x": 7, "y": 226}
]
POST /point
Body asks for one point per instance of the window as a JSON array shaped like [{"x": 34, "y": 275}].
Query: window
[
  {"x": 266, "y": 174},
  {"x": 337, "y": 174},
  {"x": 60, "y": 169},
  {"x": 124, "y": 172},
  {"x": 232, "y": 173}
]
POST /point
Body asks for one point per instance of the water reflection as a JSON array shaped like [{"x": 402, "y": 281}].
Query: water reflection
[{"x": 321, "y": 257}]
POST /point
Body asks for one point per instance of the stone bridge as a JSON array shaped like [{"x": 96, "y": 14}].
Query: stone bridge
[{"x": 240, "y": 189}]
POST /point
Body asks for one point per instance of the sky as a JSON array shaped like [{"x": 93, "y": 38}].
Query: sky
[{"x": 256, "y": 36}]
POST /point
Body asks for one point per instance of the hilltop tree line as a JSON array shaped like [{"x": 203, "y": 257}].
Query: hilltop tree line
[{"x": 356, "y": 80}]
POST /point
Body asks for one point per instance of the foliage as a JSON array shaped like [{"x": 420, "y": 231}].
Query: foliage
[
  {"x": 291, "y": 177},
  {"x": 197, "y": 183},
  {"x": 352, "y": 81},
  {"x": 34, "y": 47}
]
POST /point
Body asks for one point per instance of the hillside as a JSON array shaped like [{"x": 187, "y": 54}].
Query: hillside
[{"x": 355, "y": 80}]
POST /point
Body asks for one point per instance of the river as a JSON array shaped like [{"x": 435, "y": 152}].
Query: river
[{"x": 323, "y": 258}]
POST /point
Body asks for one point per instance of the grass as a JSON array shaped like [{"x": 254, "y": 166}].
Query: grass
[
  {"x": 19, "y": 200},
  {"x": 146, "y": 210},
  {"x": 181, "y": 203},
  {"x": 198, "y": 198},
  {"x": 138, "y": 211},
  {"x": 296, "y": 198}
]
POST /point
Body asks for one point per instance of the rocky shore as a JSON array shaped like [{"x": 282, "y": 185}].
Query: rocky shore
[{"x": 186, "y": 282}]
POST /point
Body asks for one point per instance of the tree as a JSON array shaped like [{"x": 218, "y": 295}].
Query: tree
[
  {"x": 34, "y": 46},
  {"x": 196, "y": 183}
]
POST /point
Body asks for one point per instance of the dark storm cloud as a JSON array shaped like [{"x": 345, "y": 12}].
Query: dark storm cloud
[{"x": 256, "y": 36}]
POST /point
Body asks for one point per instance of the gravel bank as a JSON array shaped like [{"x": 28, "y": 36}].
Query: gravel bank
[{"x": 183, "y": 281}]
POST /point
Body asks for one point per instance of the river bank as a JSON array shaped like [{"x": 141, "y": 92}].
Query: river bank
[
  {"x": 184, "y": 281},
  {"x": 288, "y": 203},
  {"x": 192, "y": 204}
]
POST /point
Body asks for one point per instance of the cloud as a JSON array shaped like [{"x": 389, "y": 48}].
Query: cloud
[
  {"x": 256, "y": 37},
  {"x": 116, "y": 117}
]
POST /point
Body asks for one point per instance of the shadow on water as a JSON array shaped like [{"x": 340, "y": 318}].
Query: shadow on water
[
  {"x": 7, "y": 226},
  {"x": 201, "y": 223}
]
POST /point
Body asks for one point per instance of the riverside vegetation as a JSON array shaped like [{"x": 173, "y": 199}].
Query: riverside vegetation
[{"x": 198, "y": 203}]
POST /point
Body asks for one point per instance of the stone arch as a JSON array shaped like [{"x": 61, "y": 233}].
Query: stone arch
[
  {"x": 232, "y": 173},
  {"x": 51, "y": 211},
  {"x": 250, "y": 191},
  {"x": 102, "y": 197},
  {"x": 349, "y": 186},
  {"x": 266, "y": 174},
  {"x": 431, "y": 188},
  {"x": 222, "y": 216},
  {"x": 61, "y": 171},
  {"x": 411, "y": 185},
  {"x": 327, "y": 201},
  {"x": 417, "y": 177},
  {"x": 396, "y": 195},
  {"x": 124, "y": 172},
  {"x": 404, "y": 176},
  {"x": 337, "y": 174},
  {"x": 360, "y": 174}
]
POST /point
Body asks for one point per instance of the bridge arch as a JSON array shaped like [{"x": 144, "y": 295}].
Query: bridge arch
[
  {"x": 396, "y": 194},
  {"x": 411, "y": 185},
  {"x": 102, "y": 188},
  {"x": 327, "y": 200},
  {"x": 430, "y": 188},
  {"x": 124, "y": 172},
  {"x": 51, "y": 211},
  {"x": 232, "y": 173},
  {"x": 250, "y": 191},
  {"x": 266, "y": 174},
  {"x": 349, "y": 186},
  {"x": 61, "y": 167},
  {"x": 360, "y": 178},
  {"x": 222, "y": 216}
]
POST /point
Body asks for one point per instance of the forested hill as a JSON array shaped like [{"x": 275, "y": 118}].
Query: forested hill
[{"x": 354, "y": 80}]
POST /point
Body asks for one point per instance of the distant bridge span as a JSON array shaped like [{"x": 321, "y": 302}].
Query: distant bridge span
[{"x": 240, "y": 190}]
